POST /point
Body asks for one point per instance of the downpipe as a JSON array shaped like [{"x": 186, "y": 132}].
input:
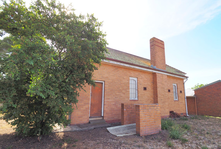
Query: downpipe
[{"x": 185, "y": 96}]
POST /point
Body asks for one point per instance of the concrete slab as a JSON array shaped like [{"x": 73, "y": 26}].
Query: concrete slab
[
  {"x": 93, "y": 126},
  {"x": 82, "y": 127},
  {"x": 66, "y": 129},
  {"x": 99, "y": 121},
  {"x": 123, "y": 130}
]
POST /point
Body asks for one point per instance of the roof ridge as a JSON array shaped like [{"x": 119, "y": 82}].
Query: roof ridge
[
  {"x": 176, "y": 69},
  {"x": 208, "y": 84},
  {"x": 144, "y": 59},
  {"x": 128, "y": 53}
]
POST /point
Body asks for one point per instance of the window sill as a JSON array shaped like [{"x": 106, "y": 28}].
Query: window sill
[{"x": 133, "y": 99}]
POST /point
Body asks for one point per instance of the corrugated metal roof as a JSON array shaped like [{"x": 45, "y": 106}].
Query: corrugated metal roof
[{"x": 133, "y": 59}]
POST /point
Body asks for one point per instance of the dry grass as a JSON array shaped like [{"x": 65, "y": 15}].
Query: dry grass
[{"x": 204, "y": 131}]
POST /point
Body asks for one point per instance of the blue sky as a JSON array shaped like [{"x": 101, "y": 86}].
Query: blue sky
[{"x": 190, "y": 29}]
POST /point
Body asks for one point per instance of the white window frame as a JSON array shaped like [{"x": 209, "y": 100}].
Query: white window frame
[
  {"x": 136, "y": 92},
  {"x": 175, "y": 92}
]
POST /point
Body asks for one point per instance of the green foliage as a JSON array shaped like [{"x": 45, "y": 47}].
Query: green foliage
[
  {"x": 184, "y": 118},
  {"x": 5, "y": 44},
  {"x": 199, "y": 117},
  {"x": 166, "y": 124},
  {"x": 195, "y": 117},
  {"x": 183, "y": 140},
  {"x": 53, "y": 56},
  {"x": 198, "y": 86},
  {"x": 175, "y": 132},
  {"x": 204, "y": 147},
  {"x": 185, "y": 126},
  {"x": 169, "y": 144}
]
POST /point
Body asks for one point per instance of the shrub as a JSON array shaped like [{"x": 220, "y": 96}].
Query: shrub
[
  {"x": 184, "y": 140},
  {"x": 175, "y": 132},
  {"x": 185, "y": 126},
  {"x": 184, "y": 118},
  {"x": 195, "y": 117},
  {"x": 40, "y": 81},
  {"x": 166, "y": 124},
  {"x": 169, "y": 144}
]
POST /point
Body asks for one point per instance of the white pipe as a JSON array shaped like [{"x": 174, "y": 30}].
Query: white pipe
[{"x": 185, "y": 97}]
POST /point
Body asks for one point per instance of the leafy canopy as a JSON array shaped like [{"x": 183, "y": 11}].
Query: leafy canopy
[
  {"x": 53, "y": 56},
  {"x": 198, "y": 86},
  {"x": 5, "y": 44}
]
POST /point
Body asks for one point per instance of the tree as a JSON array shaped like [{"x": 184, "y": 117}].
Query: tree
[
  {"x": 53, "y": 56},
  {"x": 198, "y": 86},
  {"x": 5, "y": 44}
]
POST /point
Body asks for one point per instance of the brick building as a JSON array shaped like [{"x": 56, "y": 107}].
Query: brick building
[
  {"x": 191, "y": 101},
  {"x": 206, "y": 101},
  {"x": 129, "y": 79}
]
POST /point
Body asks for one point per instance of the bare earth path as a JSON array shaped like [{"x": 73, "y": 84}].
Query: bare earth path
[{"x": 205, "y": 132}]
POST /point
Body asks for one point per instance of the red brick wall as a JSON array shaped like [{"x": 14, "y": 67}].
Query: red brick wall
[
  {"x": 81, "y": 110},
  {"x": 148, "y": 119},
  {"x": 208, "y": 100},
  {"x": 191, "y": 104},
  {"x": 177, "y": 106},
  {"x": 157, "y": 53},
  {"x": 117, "y": 88},
  {"x": 128, "y": 114},
  {"x": 162, "y": 84},
  {"x": 116, "y": 91},
  {"x": 116, "y": 80}
]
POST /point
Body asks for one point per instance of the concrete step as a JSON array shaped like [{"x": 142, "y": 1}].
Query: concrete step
[
  {"x": 95, "y": 118},
  {"x": 99, "y": 121}
]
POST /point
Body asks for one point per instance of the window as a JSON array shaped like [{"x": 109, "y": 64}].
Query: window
[
  {"x": 133, "y": 88},
  {"x": 175, "y": 92}
]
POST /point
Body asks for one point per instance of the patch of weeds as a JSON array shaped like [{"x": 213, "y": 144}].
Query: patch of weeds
[
  {"x": 184, "y": 118},
  {"x": 169, "y": 144},
  {"x": 185, "y": 126},
  {"x": 207, "y": 133},
  {"x": 204, "y": 147},
  {"x": 73, "y": 145},
  {"x": 67, "y": 140},
  {"x": 183, "y": 140},
  {"x": 75, "y": 140},
  {"x": 207, "y": 116},
  {"x": 9, "y": 147},
  {"x": 175, "y": 132},
  {"x": 166, "y": 124},
  {"x": 203, "y": 117},
  {"x": 140, "y": 146},
  {"x": 60, "y": 144},
  {"x": 195, "y": 117}
]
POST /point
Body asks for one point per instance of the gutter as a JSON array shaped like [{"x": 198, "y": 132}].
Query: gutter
[
  {"x": 185, "y": 96},
  {"x": 150, "y": 69}
]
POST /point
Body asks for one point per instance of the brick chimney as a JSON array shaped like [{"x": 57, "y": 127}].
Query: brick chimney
[{"x": 157, "y": 53}]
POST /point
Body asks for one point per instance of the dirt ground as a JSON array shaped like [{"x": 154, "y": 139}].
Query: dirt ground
[{"x": 205, "y": 132}]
